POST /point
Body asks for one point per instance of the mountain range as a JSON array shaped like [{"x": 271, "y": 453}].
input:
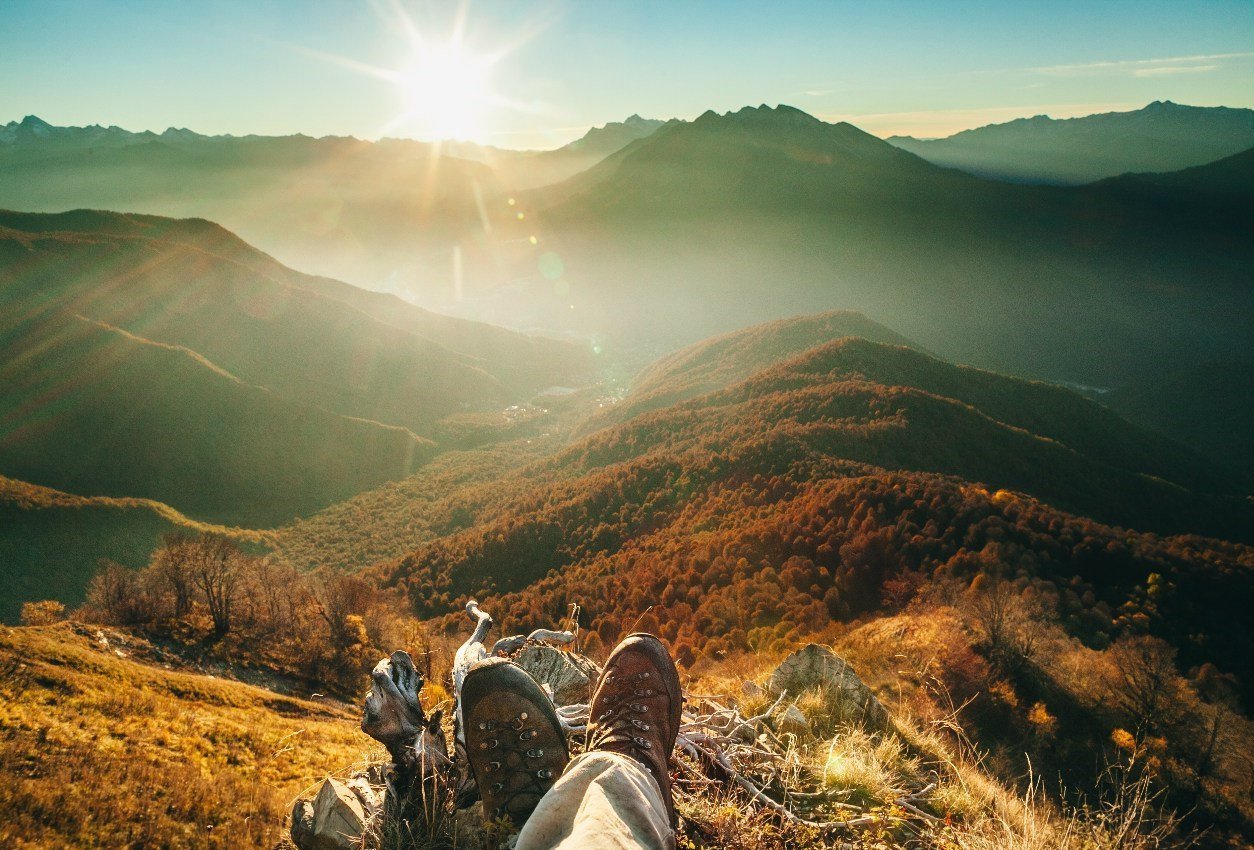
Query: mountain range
[
  {"x": 706, "y": 226},
  {"x": 1162, "y": 136}
]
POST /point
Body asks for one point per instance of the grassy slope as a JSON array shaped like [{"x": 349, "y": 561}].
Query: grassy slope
[
  {"x": 523, "y": 364},
  {"x": 54, "y": 540},
  {"x": 91, "y": 409},
  {"x": 105, "y": 748}
]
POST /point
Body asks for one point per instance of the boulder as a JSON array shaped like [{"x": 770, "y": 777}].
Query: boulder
[
  {"x": 846, "y": 697},
  {"x": 334, "y": 820},
  {"x": 569, "y": 676}
]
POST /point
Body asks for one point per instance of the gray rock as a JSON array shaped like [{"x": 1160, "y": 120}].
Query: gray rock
[
  {"x": 794, "y": 720},
  {"x": 752, "y": 689},
  {"x": 303, "y": 824},
  {"x": 846, "y": 697},
  {"x": 569, "y": 676},
  {"x": 334, "y": 820},
  {"x": 368, "y": 793}
]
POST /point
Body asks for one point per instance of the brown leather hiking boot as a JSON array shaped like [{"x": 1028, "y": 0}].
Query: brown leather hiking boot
[
  {"x": 635, "y": 710},
  {"x": 514, "y": 741}
]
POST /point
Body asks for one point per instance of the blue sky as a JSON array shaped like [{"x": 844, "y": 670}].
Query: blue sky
[{"x": 552, "y": 69}]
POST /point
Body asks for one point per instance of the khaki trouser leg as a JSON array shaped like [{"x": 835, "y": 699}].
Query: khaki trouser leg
[{"x": 603, "y": 801}]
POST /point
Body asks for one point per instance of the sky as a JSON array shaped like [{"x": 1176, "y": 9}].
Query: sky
[{"x": 522, "y": 74}]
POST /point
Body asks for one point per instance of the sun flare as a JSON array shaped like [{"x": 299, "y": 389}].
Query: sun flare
[{"x": 447, "y": 91}]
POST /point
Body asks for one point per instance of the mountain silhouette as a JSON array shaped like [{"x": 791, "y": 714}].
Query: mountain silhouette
[{"x": 1162, "y": 136}]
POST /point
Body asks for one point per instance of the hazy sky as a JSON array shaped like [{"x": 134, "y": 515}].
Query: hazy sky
[{"x": 536, "y": 74}]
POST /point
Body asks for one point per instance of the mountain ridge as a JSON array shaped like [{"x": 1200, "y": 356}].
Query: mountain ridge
[{"x": 1162, "y": 136}]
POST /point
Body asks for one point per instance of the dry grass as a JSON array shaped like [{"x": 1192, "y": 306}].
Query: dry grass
[{"x": 99, "y": 750}]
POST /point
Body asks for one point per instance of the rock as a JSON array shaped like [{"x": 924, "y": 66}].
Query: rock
[
  {"x": 334, "y": 820},
  {"x": 793, "y": 720},
  {"x": 568, "y": 675},
  {"x": 303, "y": 824},
  {"x": 846, "y": 697},
  {"x": 468, "y": 827},
  {"x": 367, "y": 792},
  {"x": 752, "y": 690}
]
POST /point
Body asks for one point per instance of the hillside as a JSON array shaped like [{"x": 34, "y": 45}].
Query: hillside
[
  {"x": 168, "y": 360},
  {"x": 711, "y": 225},
  {"x": 914, "y": 411},
  {"x": 1209, "y": 407},
  {"x": 724, "y": 360},
  {"x": 1011, "y": 549},
  {"x": 111, "y": 742},
  {"x": 864, "y": 481},
  {"x": 1162, "y": 136},
  {"x": 53, "y": 541}
]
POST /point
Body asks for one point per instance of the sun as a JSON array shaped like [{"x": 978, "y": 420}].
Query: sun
[{"x": 447, "y": 91}]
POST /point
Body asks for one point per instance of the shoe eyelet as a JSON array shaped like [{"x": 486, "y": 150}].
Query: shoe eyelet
[
  {"x": 544, "y": 774},
  {"x": 641, "y": 742},
  {"x": 535, "y": 754},
  {"x": 498, "y": 787},
  {"x": 522, "y": 716},
  {"x": 489, "y": 744},
  {"x": 526, "y": 734},
  {"x": 493, "y": 765}
]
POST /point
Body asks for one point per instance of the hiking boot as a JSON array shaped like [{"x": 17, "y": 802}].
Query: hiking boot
[
  {"x": 635, "y": 710},
  {"x": 514, "y": 740}
]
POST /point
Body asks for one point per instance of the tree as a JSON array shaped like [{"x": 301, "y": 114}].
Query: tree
[
  {"x": 114, "y": 592},
  {"x": 172, "y": 569},
  {"x": 1010, "y": 627},
  {"x": 1148, "y": 685},
  {"x": 215, "y": 567},
  {"x": 42, "y": 613}
]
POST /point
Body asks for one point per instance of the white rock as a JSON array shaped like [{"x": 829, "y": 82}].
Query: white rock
[
  {"x": 338, "y": 820},
  {"x": 569, "y": 676}
]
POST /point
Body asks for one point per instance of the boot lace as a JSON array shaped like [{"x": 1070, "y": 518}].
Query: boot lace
[
  {"x": 513, "y": 738},
  {"x": 624, "y": 717}
]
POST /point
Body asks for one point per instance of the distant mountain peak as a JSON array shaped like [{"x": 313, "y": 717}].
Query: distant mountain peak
[{"x": 762, "y": 114}]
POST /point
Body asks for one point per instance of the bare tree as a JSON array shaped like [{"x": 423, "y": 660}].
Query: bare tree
[
  {"x": 171, "y": 567},
  {"x": 1008, "y": 621},
  {"x": 1148, "y": 684},
  {"x": 114, "y": 592},
  {"x": 215, "y": 567}
]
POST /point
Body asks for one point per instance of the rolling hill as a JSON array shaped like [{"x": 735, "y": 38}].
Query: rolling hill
[
  {"x": 1162, "y": 136},
  {"x": 864, "y": 460},
  {"x": 53, "y": 541},
  {"x": 168, "y": 360}
]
